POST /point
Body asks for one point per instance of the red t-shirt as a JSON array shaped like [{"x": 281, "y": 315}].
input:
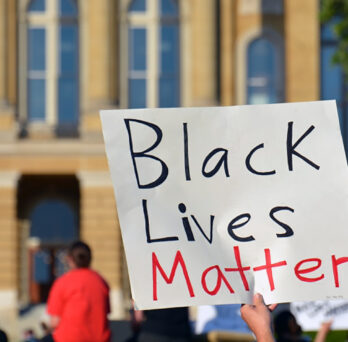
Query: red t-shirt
[{"x": 81, "y": 299}]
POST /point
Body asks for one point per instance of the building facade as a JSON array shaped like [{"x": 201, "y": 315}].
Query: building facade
[{"x": 61, "y": 61}]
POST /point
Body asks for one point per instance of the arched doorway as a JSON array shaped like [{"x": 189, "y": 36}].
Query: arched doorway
[
  {"x": 48, "y": 209},
  {"x": 53, "y": 225}
]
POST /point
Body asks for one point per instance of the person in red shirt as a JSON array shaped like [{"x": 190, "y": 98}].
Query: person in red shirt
[{"x": 78, "y": 302}]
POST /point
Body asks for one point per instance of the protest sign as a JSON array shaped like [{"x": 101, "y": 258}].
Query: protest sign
[
  {"x": 218, "y": 203},
  {"x": 310, "y": 315}
]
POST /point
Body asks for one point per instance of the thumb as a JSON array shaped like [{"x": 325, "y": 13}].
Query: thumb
[{"x": 258, "y": 299}]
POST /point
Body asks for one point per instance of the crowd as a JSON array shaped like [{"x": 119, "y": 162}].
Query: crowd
[{"x": 78, "y": 305}]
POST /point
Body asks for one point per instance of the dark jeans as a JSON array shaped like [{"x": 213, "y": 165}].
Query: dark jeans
[
  {"x": 149, "y": 337},
  {"x": 47, "y": 338}
]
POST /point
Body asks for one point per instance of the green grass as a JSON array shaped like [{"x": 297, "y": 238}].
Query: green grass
[{"x": 333, "y": 336}]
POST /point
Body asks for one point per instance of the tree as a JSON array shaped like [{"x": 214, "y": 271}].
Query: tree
[{"x": 337, "y": 12}]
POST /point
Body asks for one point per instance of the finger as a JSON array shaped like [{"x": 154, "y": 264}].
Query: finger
[
  {"x": 271, "y": 307},
  {"x": 327, "y": 323},
  {"x": 245, "y": 306},
  {"x": 258, "y": 299}
]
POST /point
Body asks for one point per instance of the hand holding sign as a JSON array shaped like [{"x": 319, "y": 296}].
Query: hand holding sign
[
  {"x": 259, "y": 319},
  {"x": 216, "y": 204}
]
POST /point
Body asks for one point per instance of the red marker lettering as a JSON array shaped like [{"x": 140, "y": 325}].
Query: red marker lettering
[
  {"x": 219, "y": 279},
  {"x": 177, "y": 260},
  {"x": 268, "y": 267},
  {"x": 299, "y": 271},
  {"x": 335, "y": 263},
  {"x": 239, "y": 268}
]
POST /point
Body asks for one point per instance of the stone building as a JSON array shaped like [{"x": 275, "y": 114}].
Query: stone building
[{"x": 61, "y": 61}]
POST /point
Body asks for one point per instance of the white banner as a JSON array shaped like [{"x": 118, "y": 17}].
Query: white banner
[
  {"x": 216, "y": 204},
  {"x": 310, "y": 315}
]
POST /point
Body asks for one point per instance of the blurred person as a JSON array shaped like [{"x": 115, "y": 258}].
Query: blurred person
[
  {"x": 287, "y": 329},
  {"x": 29, "y": 336},
  {"x": 78, "y": 302},
  {"x": 161, "y": 325},
  {"x": 45, "y": 327},
  {"x": 3, "y": 336}
]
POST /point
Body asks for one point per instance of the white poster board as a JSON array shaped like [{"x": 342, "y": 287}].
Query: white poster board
[
  {"x": 310, "y": 315},
  {"x": 218, "y": 203}
]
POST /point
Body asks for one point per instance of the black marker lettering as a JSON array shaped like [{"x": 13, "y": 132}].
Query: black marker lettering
[
  {"x": 288, "y": 230},
  {"x": 291, "y": 147},
  {"x": 251, "y": 169},
  {"x": 232, "y": 226},
  {"x": 186, "y": 154},
  {"x": 210, "y": 238},
  {"x": 222, "y": 160},
  {"x": 144, "y": 154},
  {"x": 147, "y": 227},
  {"x": 186, "y": 223}
]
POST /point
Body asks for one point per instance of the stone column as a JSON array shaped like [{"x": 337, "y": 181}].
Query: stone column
[
  {"x": 99, "y": 59},
  {"x": 8, "y": 252},
  {"x": 204, "y": 56},
  {"x": 8, "y": 69},
  {"x": 227, "y": 60},
  {"x": 114, "y": 52},
  {"x": 3, "y": 45},
  {"x": 12, "y": 44},
  {"x": 302, "y": 39},
  {"x": 100, "y": 229},
  {"x": 98, "y": 36}
]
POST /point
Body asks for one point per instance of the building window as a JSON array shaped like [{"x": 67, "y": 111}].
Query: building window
[
  {"x": 153, "y": 54},
  {"x": 37, "y": 6},
  {"x": 333, "y": 85},
  {"x": 261, "y": 74},
  {"x": 52, "y": 85},
  {"x": 36, "y": 73}
]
